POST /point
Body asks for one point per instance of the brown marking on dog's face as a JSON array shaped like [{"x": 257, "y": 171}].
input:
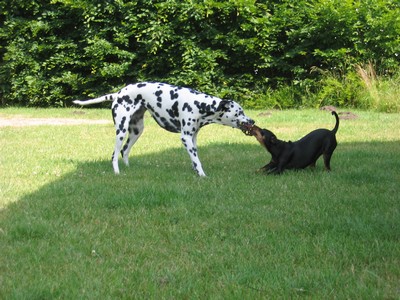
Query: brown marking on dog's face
[
  {"x": 264, "y": 136},
  {"x": 256, "y": 132}
]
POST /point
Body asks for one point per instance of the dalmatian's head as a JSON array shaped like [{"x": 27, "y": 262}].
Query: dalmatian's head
[{"x": 232, "y": 114}]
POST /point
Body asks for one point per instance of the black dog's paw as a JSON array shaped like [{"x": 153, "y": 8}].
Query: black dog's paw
[
  {"x": 260, "y": 170},
  {"x": 267, "y": 171}
]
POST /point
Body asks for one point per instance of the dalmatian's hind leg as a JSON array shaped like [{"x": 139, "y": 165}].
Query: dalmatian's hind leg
[
  {"x": 136, "y": 126},
  {"x": 119, "y": 138},
  {"x": 121, "y": 120}
]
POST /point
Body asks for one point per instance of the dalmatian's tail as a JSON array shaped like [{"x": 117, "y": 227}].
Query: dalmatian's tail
[{"x": 109, "y": 97}]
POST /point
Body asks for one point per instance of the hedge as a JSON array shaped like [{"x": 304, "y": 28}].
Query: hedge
[{"x": 260, "y": 53}]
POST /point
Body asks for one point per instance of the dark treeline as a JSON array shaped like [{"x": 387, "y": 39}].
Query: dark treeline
[{"x": 54, "y": 51}]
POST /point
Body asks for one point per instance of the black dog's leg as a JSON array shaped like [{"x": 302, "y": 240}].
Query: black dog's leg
[
  {"x": 328, "y": 154},
  {"x": 327, "y": 161},
  {"x": 277, "y": 171},
  {"x": 268, "y": 167},
  {"x": 284, "y": 161},
  {"x": 271, "y": 168}
]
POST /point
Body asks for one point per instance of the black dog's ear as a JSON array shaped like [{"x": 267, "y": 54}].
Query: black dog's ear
[
  {"x": 224, "y": 105},
  {"x": 273, "y": 139}
]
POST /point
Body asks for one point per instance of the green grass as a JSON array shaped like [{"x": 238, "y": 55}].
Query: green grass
[
  {"x": 72, "y": 113},
  {"x": 71, "y": 229}
]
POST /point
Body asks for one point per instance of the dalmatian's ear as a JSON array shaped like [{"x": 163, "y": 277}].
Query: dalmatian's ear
[{"x": 224, "y": 105}]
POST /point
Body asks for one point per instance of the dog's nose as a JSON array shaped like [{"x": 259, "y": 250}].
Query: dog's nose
[{"x": 251, "y": 122}]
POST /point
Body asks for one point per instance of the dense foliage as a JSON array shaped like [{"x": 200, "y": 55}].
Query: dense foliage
[{"x": 260, "y": 53}]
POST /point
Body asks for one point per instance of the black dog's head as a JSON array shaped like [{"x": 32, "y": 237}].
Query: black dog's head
[{"x": 265, "y": 137}]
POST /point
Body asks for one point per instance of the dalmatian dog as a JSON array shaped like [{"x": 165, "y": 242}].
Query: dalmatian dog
[{"x": 176, "y": 109}]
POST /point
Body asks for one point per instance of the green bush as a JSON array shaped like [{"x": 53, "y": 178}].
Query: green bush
[
  {"x": 378, "y": 91},
  {"x": 260, "y": 54}
]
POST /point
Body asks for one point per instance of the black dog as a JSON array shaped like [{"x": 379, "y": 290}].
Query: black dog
[{"x": 299, "y": 154}]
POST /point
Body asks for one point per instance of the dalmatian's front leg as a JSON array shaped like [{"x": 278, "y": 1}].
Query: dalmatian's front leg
[{"x": 189, "y": 141}]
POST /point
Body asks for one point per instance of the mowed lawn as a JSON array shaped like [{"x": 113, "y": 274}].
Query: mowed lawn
[{"x": 71, "y": 229}]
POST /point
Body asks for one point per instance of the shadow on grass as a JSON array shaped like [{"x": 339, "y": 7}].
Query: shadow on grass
[
  {"x": 89, "y": 213},
  {"x": 159, "y": 176}
]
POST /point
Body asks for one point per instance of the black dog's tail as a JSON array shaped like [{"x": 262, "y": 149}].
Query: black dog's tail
[{"x": 334, "y": 130}]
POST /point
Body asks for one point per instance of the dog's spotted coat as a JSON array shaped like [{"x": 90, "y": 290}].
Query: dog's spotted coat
[{"x": 175, "y": 109}]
